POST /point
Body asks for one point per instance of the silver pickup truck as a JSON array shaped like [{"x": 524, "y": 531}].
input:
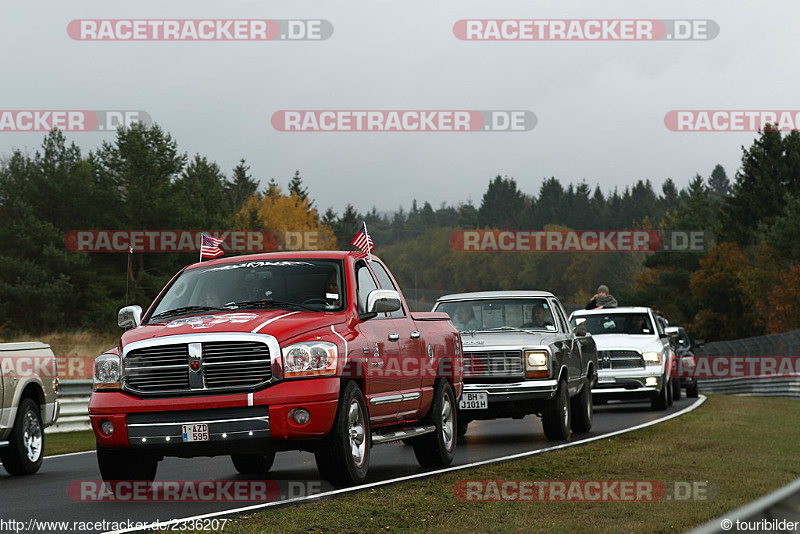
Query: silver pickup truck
[
  {"x": 28, "y": 404},
  {"x": 522, "y": 357}
]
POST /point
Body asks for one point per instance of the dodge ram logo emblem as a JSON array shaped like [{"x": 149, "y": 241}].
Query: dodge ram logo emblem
[{"x": 195, "y": 365}]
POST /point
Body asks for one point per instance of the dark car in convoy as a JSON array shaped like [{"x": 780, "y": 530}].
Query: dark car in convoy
[
  {"x": 522, "y": 357},
  {"x": 685, "y": 360}
]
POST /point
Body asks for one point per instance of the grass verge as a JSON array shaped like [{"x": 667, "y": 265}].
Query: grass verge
[
  {"x": 64, "y": 442},
  {"x": 744, "y": 447}
]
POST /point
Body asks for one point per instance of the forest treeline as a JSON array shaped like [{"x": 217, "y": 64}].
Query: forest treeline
[{"x": 746, "y": 283}]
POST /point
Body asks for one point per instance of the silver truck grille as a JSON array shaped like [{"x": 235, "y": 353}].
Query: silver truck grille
[
  {"x": 222, "y": 365},
  {"x": 620, "y": 359},
  {"x": 493, "y": 363}
]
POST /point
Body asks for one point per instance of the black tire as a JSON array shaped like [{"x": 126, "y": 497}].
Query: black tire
[
  {"x": 676, "y": 389},
  {"x": 660, "y": 402},
  {"x": 439, "y": 448},
  {"x": 556, "y": 416},
  {"x": 582, "y": 409},
  {"x": 670, "y": 391},
  {"x": 334, "y": 456},
  {"x": 691, "y": 390},
  {"x": 25, "y": 450},
  {"x": 126, "y": 464},
  {"x": 253, "y": 464},
  {"x": 462, "y": 427}
]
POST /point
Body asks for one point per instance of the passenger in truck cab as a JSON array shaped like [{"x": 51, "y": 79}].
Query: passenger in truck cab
[
  {"x": 332, "y": 288},
  {"x": 465, "y": 318}
]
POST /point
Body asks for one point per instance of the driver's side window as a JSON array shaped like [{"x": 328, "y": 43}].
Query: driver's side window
[{"x": 366, "y": 284}]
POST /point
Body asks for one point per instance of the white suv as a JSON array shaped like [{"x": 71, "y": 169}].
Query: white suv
[{"x": 634, "y": 354}]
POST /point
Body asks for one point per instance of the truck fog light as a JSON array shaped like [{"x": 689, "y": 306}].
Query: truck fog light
[
  {"x": 106, "y": 427},
  {"x": 301, "y": 416},
  {"x": 651, "y": 381}
]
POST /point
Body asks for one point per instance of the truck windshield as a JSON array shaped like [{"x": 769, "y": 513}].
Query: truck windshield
[
  {"x": 616, "y": 323},
  {"x": 524, "y": 314},
  {"x": 311, "y": 285}
]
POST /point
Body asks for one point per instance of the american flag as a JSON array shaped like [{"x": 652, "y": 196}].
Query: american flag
[
  {"x": 363, "y": 241},
  {"x": 210, "y": 247}
]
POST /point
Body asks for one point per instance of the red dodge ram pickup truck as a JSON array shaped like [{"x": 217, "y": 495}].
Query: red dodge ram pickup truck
[{"x": 249, "y": 355}]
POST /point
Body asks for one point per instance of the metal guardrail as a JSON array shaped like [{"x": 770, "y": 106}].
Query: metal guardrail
[
  {"x": 74, "y": 401},
  {"x": 782, "y": 505},
  {"x": 785, "y": 344}
]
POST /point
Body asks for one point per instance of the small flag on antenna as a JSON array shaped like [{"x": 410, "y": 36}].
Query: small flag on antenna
[
  {"x": 209, "y": 247},
  {"x": 363, "y": 241}
]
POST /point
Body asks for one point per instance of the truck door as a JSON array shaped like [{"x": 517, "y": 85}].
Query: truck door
[
  {"x": 381, "y": 351},
  {"x": 570, "y": 346},
  {"x": 412, "y": 348}
]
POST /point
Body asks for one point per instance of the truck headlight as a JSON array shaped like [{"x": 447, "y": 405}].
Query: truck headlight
[
  {"x": 652, "y": 357},
  {"x": 536, "y": 364},
  {"x": 313, "y": 358},
  {"x": 107, "y": 372}
]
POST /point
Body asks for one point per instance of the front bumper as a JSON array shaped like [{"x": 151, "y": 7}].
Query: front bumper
[
  {"x": 514, "y": 399},
  {"x": 236, "y": 422},
  {"x": 624, "y": 384}
]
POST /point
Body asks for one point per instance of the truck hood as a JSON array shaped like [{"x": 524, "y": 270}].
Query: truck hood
[
  {"x": 282, "y": 324},
  {"x": 624, "y": 341},
  {"x": 487, "y": 340}
]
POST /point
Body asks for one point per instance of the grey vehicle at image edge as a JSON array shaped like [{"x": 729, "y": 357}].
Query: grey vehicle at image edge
[
  {"x": 522, "y": 357},
  {"x": 28, "y": 404},
  {"x": 635, "y": 356}
]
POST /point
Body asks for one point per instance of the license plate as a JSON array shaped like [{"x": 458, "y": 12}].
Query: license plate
[
  {"x": 198, "y": 432},
  {"x": 605, "y": 380},
  {"x": 474, "y": 401}
]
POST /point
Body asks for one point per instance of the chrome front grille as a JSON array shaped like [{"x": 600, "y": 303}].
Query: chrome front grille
[
  {"x": 193, "y": 367},
  {"x": 620, "y": 359},
  {"x": 493, "y": 364},
  {"x": 158, "y": 368},
  {"x": 239, "y": 363}
]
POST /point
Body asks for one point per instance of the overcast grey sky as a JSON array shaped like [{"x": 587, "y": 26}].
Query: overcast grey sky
[{"x": 600, "y": 105}]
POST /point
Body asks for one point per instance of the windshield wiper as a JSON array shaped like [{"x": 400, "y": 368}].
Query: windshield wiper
[
  {"x": 509, "y": 329},
  {"x": 267, "y": 303},
  {"x": 183, "y": 310}
]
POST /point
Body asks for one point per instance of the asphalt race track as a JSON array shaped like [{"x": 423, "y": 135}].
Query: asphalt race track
[{"x": 44, "y": 496}]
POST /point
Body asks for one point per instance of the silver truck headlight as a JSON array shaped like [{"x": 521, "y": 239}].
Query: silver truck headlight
[
  {"x": 313, "y": 358},
  {"x": 107, "y": 372},
  {"x": 652, "y": 358},
  {"x": 536, "y": 364}
]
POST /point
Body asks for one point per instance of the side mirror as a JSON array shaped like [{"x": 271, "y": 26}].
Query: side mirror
[
  {"x": 129, "y": 317},
  {"x": 383, "y": 301},
  {"x": 580, "y": 329}
]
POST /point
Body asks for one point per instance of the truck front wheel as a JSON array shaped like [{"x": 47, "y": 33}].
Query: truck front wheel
[
  {"x": 125, "y": 464},
  {"x": 252, "y": 464},
  {"x": 438, "y": 448},
  {"x": 582, "y": 409},
  {"x": 556, "y": 416},
  {"x": 343, "y": 456},
  {"x": 25, "y": 450}
]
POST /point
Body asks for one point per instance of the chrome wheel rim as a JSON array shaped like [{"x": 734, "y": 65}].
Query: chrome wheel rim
[
  {"x": 32, "y": 436},
  {"x": 448, "y": 422},
  {"x": 565, "y": 413},
  {"x": 357, "y": 434}
]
